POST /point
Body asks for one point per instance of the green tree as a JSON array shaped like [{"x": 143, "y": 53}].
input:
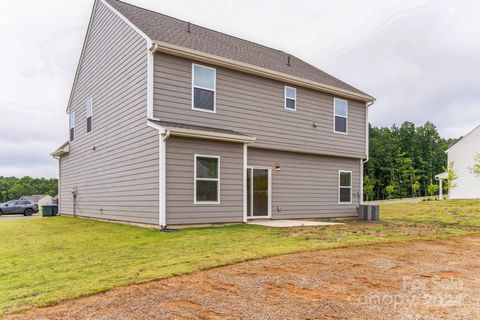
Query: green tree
[
  {"x": 368, "y": 188},
  {"x": 12, "y": 188},
  {"x": 451, "y": 177},
  {"x": 406, "y": 157},
  {"x": 415, "y": 188},
  {"x": 432, "y": 188},
  {"x": 390, "y": 190}
]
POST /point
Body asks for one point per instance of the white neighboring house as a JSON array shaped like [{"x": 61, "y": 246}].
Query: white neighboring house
[
  {"x": 40, "y": 200},
  {"x": 462, "y": 154}
]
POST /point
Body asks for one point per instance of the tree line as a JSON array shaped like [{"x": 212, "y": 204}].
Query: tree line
[
  {"x": 404, "y": 161},
  {"x": 12, "y": 188}
]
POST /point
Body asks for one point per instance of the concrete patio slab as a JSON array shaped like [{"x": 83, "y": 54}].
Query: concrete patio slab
[{"x": 291, "y": 223}]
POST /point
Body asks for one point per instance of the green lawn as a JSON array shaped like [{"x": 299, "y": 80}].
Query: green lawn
[{"x": 48, "y": 260}]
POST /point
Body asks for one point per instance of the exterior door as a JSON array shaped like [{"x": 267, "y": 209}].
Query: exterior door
[
  {"x": 258, "y": 192},
  {"x": 10, "y": 207}
]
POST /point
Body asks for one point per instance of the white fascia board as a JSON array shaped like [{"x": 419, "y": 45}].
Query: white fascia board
[{"x": 60, "y": 152}]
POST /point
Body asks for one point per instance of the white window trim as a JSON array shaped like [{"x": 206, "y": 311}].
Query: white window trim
[
  {"x": 89, "y": 103},
  {"x": 285, "y": 98},
  {"x": 71, "y": 115},
  {"x": 70, "y": 126},
  {"x": 340, "y": 186},
  {"x": 335, "y": 115},
  {"x": 205, "y": 179},
  {"x": 199, "y": 87}
]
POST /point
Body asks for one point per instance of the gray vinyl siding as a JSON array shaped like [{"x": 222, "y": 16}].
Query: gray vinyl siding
[
  {"x": 307, "y": 185},
  {"x": 255, "y": 106},
  {"x": 119, "y": 180},
  {"x": 180, "y": 182}
]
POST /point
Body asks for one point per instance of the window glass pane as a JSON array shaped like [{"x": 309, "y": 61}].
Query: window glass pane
[
  {"x": 72, "y": 134},
  {"x": 345, "y": 195},
  {"x": 71, "y": 120},
  {"x": 340, "y": 124},
  {"x": 207, "y": 190},
  {"x": 290, "y": 93},
  {"x": 203, "y": 99},
  {"x": 290, "y": 104},
  {"x": 341, "y": 107},
  {"x": 89, "y": 124},
  {"x": 204, "y": 77},
  {"x": 345, "y": 179},
  {"x": 207, "y": 168}
]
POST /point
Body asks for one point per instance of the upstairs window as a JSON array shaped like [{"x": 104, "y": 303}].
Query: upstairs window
[
  {"x": 290, "y": 98},
  {"x": 88, "y": 114},
  {"x": 71, "y": 121},
  {"x": 204, "y": 79},
  {"x": 207, "y": 179},
  {"x": 341, "y": 115},
  {"x": 345, "y": 187}
]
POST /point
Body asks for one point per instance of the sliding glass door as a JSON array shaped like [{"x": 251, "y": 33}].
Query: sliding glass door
[{"x": 258, "y": 193}]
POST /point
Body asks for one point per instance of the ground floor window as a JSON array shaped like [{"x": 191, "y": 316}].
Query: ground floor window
[
  {"x": 207, "y": 179},
  {"x": 345, "y": 186}
]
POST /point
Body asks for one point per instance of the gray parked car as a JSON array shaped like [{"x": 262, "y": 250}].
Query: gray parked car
[{"x": 25, "y": 207}]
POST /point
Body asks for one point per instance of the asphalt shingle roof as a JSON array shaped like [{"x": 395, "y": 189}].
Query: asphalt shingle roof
[{"x": 163, "y": 28}]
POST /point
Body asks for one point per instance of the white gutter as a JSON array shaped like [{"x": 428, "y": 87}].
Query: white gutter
[
  {"x": 186, "y": 133},
  {"x": 60, "y": 152}
]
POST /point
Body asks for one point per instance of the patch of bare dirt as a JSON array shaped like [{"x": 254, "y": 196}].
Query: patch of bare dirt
[{"x": 419, "y": 280}]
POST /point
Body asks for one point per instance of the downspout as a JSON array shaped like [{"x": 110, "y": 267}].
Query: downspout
[
  {"x": 162, "y": 177},
  {"x": 368, "y": 105},
  {"x": 367, "y": 149}
]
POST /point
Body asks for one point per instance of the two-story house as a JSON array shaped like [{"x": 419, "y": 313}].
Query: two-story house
[{"x": 172, "y": 123}]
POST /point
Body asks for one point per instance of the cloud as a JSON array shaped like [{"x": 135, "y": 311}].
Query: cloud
[{"x": 422, "y": 66}]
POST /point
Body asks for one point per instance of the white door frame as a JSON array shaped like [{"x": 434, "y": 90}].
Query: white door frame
[{"x": 269, "y": 169}]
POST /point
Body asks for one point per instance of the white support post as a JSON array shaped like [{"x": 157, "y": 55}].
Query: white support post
[{"x": 440, "y": 190}]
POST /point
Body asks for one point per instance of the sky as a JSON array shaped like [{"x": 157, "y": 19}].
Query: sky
[{"x": 420, "y": 59}]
